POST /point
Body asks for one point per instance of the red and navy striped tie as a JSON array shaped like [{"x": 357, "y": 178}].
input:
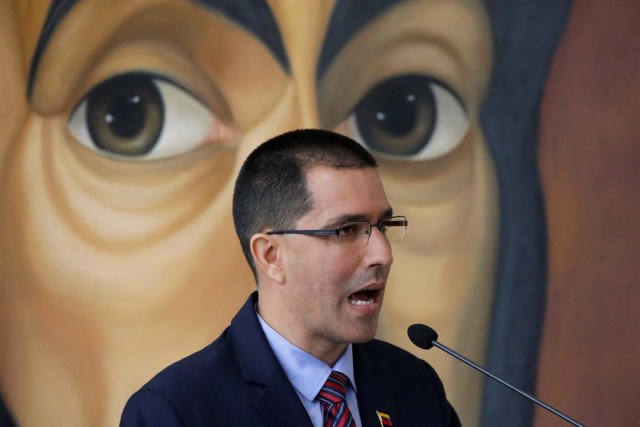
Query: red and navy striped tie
[{"x": 332, "y": 397}]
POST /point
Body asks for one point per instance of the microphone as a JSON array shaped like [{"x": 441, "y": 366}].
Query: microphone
[{"x": 425, "y": 337}]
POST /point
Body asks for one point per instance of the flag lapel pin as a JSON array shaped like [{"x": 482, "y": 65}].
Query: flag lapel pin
[{"x": 385, "y": 419}]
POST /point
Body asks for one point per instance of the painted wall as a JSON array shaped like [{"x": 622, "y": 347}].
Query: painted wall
[
  {"x": 117, "y": 251},
  {"x": 589, "y": 156}
]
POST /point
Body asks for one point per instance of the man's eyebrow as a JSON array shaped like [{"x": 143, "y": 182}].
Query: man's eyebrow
[
  {"x": 254, "y": 15},
  {"x": 347, "y": 18},
  {"x": 343, "y": 219}
]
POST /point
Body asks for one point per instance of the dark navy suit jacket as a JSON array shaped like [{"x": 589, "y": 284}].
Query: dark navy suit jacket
[{"x": 237, "y": 381}]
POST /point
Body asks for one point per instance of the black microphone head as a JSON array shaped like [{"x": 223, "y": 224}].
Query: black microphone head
[{"x": 422, "y": 335}]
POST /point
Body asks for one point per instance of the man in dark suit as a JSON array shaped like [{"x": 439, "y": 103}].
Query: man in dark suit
[{"x": 315, "y": 226}]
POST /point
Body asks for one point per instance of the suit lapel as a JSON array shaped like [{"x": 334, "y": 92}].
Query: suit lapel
[
  {"x": 373, "y": 393},
  {"x": 278, "y": 402}
]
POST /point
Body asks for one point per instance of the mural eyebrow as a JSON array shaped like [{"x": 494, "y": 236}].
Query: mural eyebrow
[
  {"x": 254, "y": 15},
  {"x": 57, "y": 11},
  {"x": 347, "y": 18}
]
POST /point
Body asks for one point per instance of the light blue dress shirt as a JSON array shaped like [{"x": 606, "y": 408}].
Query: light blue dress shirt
[{"x": 308, "y": 374}]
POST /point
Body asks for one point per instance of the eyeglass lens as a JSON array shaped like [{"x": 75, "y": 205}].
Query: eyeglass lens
[{"x": 357, "y": 233}]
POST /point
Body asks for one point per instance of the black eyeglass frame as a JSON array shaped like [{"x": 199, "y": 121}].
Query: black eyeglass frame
[{"x": 336, "y": 231}]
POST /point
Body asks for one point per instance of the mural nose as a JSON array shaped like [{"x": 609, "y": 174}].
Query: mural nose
[
  {"x": 306, "y": 104},
  {"x": 310, "y": 120}
]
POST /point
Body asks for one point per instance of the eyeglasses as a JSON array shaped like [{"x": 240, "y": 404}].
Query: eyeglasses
[{"x": 357, "y": 233}]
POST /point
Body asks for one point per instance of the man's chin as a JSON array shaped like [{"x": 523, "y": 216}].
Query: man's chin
[{"x": 364, "y": 335}]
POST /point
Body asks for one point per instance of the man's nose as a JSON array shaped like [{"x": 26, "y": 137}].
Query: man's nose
[{"x": 379, "y": 249}]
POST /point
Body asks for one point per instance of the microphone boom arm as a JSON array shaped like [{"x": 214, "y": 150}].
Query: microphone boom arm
[{"x": 504, "y": 383}]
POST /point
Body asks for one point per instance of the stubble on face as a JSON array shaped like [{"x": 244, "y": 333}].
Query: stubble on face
[{"x": 336, "y": 292}]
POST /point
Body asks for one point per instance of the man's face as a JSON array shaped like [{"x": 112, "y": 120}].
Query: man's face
[{"x": 335, "y": 292}]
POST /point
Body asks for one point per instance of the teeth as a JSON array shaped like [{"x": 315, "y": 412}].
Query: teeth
[{"x": 361, "y": 302}]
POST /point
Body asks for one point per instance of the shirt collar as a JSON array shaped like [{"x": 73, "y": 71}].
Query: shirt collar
[{"x": 306, "y": 373}]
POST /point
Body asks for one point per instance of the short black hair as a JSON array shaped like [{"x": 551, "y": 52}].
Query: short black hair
[{"x": 271, "y": 189}]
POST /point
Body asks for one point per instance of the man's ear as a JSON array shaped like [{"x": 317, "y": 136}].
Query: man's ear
[{"x": 266, "y": 255}]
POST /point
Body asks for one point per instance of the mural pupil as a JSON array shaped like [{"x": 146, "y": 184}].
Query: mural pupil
[
  {"x": 125, "y": 115},
  {"x": 397, "y": 116}
]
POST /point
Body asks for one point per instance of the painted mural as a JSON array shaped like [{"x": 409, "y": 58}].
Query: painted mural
[{"x": 124, "y": 122}]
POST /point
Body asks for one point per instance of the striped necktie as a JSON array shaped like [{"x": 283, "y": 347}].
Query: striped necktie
[{"x": 332, "y": 397}]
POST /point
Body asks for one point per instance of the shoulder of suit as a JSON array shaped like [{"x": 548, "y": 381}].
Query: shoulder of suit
[
  {"x": 380, "y": 346},
  {"x": 383, "y": 359},
  {"x": 377, "y": 349},
  {"x": 196, "y": 366}
]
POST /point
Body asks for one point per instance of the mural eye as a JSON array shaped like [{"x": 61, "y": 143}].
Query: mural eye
[
  {"x": 140, "y": 117},
  {"x": 409, "y": 117}
]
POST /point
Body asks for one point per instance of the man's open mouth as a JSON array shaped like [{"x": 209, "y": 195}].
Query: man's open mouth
[{"x": 365, "y": 297}]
